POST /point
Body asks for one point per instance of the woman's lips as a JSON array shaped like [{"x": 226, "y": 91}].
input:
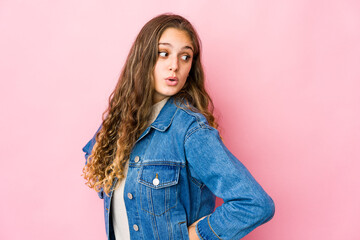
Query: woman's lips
[{"x": 171, "y": 81}]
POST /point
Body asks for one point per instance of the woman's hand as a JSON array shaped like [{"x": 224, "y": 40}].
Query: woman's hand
[{"x": 192, "y": 230}]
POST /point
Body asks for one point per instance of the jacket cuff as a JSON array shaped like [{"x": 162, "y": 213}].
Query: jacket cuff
[{"x": 205, "y": 231}]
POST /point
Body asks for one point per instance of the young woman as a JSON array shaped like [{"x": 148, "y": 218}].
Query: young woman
[{"x": 157, "y": 159}]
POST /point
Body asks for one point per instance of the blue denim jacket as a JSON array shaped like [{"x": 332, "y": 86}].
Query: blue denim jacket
[{"x": 191, "y": 166}]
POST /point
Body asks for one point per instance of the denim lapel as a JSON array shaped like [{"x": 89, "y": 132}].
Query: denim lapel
[{"x": 164, "y": 119}]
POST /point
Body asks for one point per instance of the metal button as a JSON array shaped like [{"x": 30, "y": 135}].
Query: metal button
[
  {"x": 156, "y": 181},
  {"x": 136, "y": 227},
  {"x": 130, "y": 196},
  {"x": 137, "y": 158}
]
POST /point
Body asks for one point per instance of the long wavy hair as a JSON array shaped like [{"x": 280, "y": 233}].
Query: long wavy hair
[{"x": 130, "y": 103}]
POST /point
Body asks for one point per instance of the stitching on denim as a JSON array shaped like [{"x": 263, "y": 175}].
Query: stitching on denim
[
  {"x": 195, "y": 129},
  {"x": 155, "y": 228},
  {"x": 167, "y": 210},
  {"x": 196, "y": 116},
  {"x": 166, "y": 127},
  {"x": 162, "y": 185},
  {"x": 158, "y": 215},
  {"x": 181, "y": 232},
  {"x": 208, "y": 218},
  {"x": 179, "y": 224},
  {"x": 197, "y": 230},
  {"x": 192, "y": 114},
  {"x": 199, "y": 184},
  {"x": 168, "y": 223},
  {"x": 190, "y": 132},
  {"x": 139, "y": 165},
  {"x": 143, "y": 135},
  {"x": 163, "y": 162}
]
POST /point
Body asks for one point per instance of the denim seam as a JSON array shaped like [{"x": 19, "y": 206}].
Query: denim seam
[
  {"x": 190, "y": 132},
  {"x": 199, "y": 184},
  {"x": 162, "y": 185},
  {"x": 161, "y": 163},
  {"x": 197, "y": 232},
  {"x": 154, "y": 225},
  {"x": 168, "y": 223},
  {"x": 167, "y": 210},
  {"x": 191, "y": 114},
  {"x": 193, "y": 130},
  {"x": 179, "y": 224},
  {"x": 139, "y": 165},
  {"x": 197, "y": 118},
  {"x": 208, "y": 220},
  {"x": 163, "y": 129},
  {"x": 181, "y": 231}
]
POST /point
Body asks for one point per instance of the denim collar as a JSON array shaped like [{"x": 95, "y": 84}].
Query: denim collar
[{"x": 166, "y": 115}]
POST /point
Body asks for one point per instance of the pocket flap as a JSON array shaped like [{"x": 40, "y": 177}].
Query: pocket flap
[{"x": 166, "y": 175}]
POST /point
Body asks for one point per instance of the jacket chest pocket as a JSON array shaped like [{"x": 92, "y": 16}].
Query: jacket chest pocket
[{"x": 158, "y": 188}]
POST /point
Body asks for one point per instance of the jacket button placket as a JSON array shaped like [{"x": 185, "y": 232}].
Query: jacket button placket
[{"x": 130, "y": 199}]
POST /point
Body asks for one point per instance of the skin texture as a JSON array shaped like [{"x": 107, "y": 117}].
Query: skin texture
[
  {"x": 175, "y": 59},
  {"x": 192, "y": 231}
]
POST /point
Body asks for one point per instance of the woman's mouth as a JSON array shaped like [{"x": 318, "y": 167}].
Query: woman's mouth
[{"x": 171, "y": 81}]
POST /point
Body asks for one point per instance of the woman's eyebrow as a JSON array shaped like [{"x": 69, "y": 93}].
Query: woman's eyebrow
[
  {"x": 188, "y": 47},
  {"x": 168, "y": 44}
]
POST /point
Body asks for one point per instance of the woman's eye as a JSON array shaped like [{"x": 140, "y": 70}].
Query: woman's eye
[
  {"x": 185, "y": 57},
  {"x": 163, "y": 54}
]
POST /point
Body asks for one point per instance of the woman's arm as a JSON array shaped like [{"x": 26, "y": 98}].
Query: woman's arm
[
  {"x": 192, "y": 230},
  {"x": 246, "y": 205}
]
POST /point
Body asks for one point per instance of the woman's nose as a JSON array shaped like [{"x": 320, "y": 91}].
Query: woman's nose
[{"x": 174, "y": 64}]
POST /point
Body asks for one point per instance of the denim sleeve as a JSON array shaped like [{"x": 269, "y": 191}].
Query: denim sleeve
[
  {"x": 87, "y": 150},
  {"x": 246, "y": 205}
]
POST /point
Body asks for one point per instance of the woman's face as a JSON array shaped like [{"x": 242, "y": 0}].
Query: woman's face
[{"x": 173, "y": 64}]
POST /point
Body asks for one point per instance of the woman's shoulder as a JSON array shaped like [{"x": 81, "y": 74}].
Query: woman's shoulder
[{"x": 187, "y": 114}]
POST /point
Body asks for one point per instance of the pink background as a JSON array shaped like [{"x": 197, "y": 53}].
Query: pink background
[{"x": 284, "y": 77}]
